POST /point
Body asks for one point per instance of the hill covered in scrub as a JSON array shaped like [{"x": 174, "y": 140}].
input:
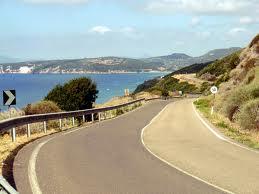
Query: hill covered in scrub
[
  {"x": 170, "y": 84},
  {"x": 236, "y": 75},
  {"x": 238, "y": 97}
]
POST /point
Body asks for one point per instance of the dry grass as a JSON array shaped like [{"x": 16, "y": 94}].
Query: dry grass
[
  {"x": 190, "y": 78},
  {"x": 9, "y": 149},
  {"x": 230, "y": 129}
]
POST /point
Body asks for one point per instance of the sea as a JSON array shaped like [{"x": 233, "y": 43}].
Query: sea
[{"x": 31, "y": 88}]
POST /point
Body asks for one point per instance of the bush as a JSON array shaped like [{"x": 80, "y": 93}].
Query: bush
[
  {"x": 235, "y": 100},
  {"x": 77, "y": 94},
  {"x": 41, "y": 108},
  {"x": 205, "y": 86},
  {"x": 165, "y": 93},
  {"x": 249, "y": 115}
]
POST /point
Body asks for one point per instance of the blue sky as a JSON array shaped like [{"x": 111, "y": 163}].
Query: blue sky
[{"x": 56, "y": 29}]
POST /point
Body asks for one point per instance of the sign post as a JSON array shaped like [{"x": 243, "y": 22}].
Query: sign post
[{"x": 213, "y": 90}]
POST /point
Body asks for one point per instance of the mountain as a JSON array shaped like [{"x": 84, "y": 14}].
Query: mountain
[
  {"x": 177, "y": 61},
  {"x": 170, "y": 62},
  {"x": 219, "y": 53}
]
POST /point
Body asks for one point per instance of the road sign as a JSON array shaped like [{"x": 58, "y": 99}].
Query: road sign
[
  {"x": 9, "y": 97},
  {"x": 214, "y": 89}
]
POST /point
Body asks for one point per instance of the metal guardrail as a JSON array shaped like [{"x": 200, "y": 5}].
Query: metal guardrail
[
  {"x": 5, "y": 187},
  {"x": 11, "y": 124}
]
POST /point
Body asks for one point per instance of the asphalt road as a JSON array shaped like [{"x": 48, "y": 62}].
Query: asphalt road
[
  {"x": 107, "y": 157},
  {"x": 179, "y": 137}
]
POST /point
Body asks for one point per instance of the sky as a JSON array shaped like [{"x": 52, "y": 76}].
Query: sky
[{"x": 59, "y": 29}]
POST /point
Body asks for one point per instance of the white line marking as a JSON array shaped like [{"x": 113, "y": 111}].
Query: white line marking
[
  {"x": 219, "y": 135},
  {"x": 32, "y": 168},
  {"x": 206, "y": 125},
  {"x": 177, "y": 168}
]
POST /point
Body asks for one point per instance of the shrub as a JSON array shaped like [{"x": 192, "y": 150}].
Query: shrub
[
  {"x": 165, "y": 93},
  {"x": 205, "y": 87},
  {"x": 235, "y": 100},
  {"x": 77, "y": 94},
  {"x": 249, "y": 115},
  {"x": 41, "y": 108}
]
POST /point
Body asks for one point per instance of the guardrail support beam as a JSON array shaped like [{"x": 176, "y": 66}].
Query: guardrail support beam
[
  {"x": 28, "y": 130},
  {"x": 83, "y": 118},
  {"x": 13, "y": 132},
  {"x": 92, "y": 117},
  {"x": 99, "y": 116},
  {"x": 44, "y": 126},
  {"x": 73, "y": 121},
  {"x": 60, "y": 124}
]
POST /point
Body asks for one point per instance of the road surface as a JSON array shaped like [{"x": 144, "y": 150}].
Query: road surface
[
  {"x": 107, "y": 157},
  {"x": 178, "y": 136}
]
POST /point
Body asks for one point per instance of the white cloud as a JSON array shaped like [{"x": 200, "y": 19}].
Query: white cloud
[
  {"x": 206, "y": 7},
  {"x": 100, "y": 29},
  {"x": 246, "y": 20},
  {"x": 235, "y": 31},
  {"x": 195, "y": 21}
]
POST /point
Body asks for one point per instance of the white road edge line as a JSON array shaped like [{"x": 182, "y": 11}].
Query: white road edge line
[
  {"x": 33, "y": 159},
  {"x": 219, "y": 135},
  {"x": 173, "y": 166},
  {"x": 32, "y": 168}
]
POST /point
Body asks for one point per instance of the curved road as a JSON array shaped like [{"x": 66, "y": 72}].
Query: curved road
[
  {"x": 107, "y": 157},
  {"x": 179, "y": 137}
]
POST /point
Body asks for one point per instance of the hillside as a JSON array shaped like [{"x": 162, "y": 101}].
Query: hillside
[
  {"x": 155, "y": 84},
  {"x": 171, "y": 62},
  {"x": 237, "y": 77}
]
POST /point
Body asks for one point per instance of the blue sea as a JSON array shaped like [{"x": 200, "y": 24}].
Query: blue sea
[{"x": 34, "y": 87}]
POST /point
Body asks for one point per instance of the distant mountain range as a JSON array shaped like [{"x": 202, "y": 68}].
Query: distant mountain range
[{"x": 171, "y": 62}]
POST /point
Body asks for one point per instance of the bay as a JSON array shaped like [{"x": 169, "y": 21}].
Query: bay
[{"x": 31, "y": 88}]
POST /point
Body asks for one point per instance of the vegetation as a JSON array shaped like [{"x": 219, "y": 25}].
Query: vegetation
[
  {"x": 165, "y": 86},
  {"x": 191, "y": 69},
  {"x": 254, "y": 41},
  {"x": 41, "y": 108},
  {"x": 146, "y": 85},
  {"x": 230, "y": 129},
  {"x": 249, "y": 115},
  {"x": 77, "y": 94},
  {"x": 220, "y": 69}
]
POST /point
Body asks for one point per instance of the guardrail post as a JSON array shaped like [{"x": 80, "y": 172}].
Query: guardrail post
[
  {"x": 83, "y": 118},
  {"x": 28, "y": 130},
  {"x": 44, "y": 126},
  {"x": 73, "y": 121},
  {"x": 99, "y": 116},
  {"x": 60, "y": 124},
  {"x": 92, "y": 117},
  {"x": 13, "y": 132}
]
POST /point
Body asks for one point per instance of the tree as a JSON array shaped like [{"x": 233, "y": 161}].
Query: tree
[{"x": 77, "y": 94}]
